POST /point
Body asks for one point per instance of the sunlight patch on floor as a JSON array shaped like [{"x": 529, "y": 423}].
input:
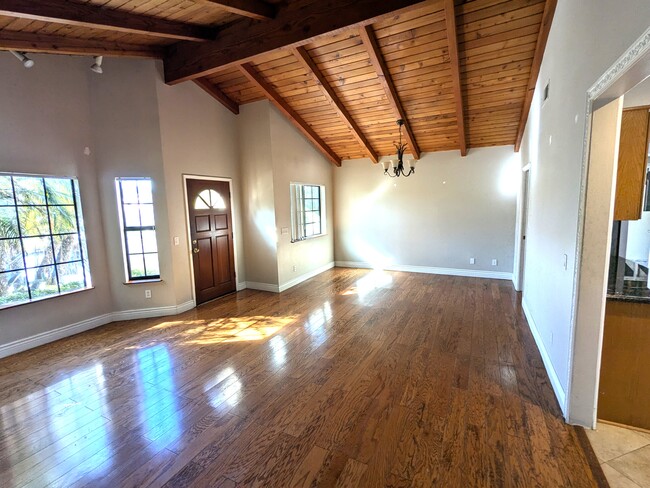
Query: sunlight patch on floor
[
  {"x": 226, "y": 330},
  {"x": 372, "y": 281}
]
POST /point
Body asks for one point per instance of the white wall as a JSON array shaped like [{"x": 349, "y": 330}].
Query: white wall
[
  {"x": 586, "y": 37},
  {"x": 45, "y": 126},
  {"x": 451, "y": 210}
]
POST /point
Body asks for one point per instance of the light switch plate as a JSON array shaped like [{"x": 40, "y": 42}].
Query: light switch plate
[{"x": 472, "y": 261}]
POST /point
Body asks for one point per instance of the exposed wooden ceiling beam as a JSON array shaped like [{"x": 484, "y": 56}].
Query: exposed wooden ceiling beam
[
  {"x": 376, "y": 58},
  {"x": 251, "y": 73},
  {"x": 300, "y": 22},
  {"x": 40, "y": 43},
  {"x": 452, "y": 38},
  {"x": 218, "y": 95},
  {"x": 540, "y": 47},
  {"x": 86, "y": 15},
  {"x": 303, "y": 56},
  {"x": 255, "y": 9}
]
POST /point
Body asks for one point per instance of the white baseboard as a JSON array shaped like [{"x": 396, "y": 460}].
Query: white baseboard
[
  {"x": 241, "y": 286},
  {"x": 145, "y": 313},
  {"x": 550, "y": 370},
  {"x": 252, "y": 285},
  {"x": 53, "y": 335},
  {"x": 305, "y": 277},
  {"x": 72, "y": 329},
  {"x": 470, "y": 273}
]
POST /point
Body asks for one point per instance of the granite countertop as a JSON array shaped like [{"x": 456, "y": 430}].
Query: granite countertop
[{"x": 627, "y": 288}]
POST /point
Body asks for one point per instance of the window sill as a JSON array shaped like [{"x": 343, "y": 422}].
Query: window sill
[
  {"x": 42, "y": 299},
  {"x": 139, "y": 282},
  {"x": 308, "y": 238}
]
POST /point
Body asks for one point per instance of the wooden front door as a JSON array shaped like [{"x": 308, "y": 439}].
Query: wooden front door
[{"x": 211, "y": 235}]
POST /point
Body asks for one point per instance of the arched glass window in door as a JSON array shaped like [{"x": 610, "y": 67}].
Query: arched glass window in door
[{"x": 209, "y": 199}]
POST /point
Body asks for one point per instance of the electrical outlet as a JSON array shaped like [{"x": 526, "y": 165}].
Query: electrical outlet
[
  {"x": 472, "y": 261},
  {"x": 494, "y": 262},
  {"x": 294, "y": 268},
  {"x": 177, "y": 241},
  {"x": 147, "y": 293}
]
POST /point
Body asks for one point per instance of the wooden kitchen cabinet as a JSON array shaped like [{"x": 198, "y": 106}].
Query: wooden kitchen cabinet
[
  {"x": 624, "y": 393},
  {"x": 632, "y": 162}
]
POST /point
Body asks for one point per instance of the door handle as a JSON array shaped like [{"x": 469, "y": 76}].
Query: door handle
[{"x": 195, "y": 250}]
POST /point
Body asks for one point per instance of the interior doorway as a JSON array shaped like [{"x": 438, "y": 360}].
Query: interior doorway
[
  {"x": 594, "y": 235},
  {"x": 211, "y": 238}
]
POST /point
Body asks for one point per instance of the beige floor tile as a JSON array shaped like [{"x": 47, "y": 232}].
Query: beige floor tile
[
  {"x": 610, "y": 442},
  {"x": 635, "y": 465},
  {"x": 616, "y": 479}
]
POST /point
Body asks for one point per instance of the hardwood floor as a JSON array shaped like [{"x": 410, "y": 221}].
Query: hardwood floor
[{"x": 352, "y": 379}]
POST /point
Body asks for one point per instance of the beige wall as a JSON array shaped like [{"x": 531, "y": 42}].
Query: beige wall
[
  {"x": 451, "y": 210},
  {"x": 295, "y": 160},
  {"x": 587, "y": 36},
  {"x": 133, "y": 125},
  {"x": 126, "y": 130},
  {"x": 45, "y": 126},
  {"x": 260, "y": 245},
  {"x": 199, "y": 137},
  {"x": 273, "y": 155}
]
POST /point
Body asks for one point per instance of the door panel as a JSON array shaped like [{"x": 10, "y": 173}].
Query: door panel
[
  {"x": 212, "y": 238},
  {"x": 223, "y": 255}
]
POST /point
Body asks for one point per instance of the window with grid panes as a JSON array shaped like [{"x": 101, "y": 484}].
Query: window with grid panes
[
  {"x": 135, "y": 198},
  {"x": 308, "y": 211},
  {"x": 42, "y": 239}
]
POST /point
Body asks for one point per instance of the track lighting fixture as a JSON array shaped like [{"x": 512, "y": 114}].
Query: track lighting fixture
[
  {"x": 27, "y": 63},
  {"x": 97, "y": 66}
]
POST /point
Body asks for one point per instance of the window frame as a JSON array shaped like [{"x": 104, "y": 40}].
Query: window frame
[
  {"x": 80, "y": 234},
  {"x": 126, "y": 229},
  {"x": 299, "y": 212}
]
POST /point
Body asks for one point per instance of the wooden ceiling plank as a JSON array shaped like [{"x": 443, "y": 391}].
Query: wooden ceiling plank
[
  {"x": 450, "y": 20},
  {"x": 544, "y": 30},
  {"x": 251, "y": 73},
  {"x": 50, "y": 44},
  {"x": 91, "y": 16},
  {"x": 299, "y": 23},
  {"x": 217, "y": 94},
  {"x": 369, "y": 39},
  {"x": 254, "y": 9}
]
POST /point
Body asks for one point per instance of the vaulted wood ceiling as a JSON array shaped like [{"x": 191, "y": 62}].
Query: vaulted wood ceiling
[{"x": 460, "y": 73}]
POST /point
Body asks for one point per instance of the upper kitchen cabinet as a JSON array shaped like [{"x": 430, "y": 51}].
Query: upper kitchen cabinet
[{"x": 632, "y": 163}]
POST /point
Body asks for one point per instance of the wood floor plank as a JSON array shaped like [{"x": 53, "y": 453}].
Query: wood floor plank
[{"x": 352, "y": 378}]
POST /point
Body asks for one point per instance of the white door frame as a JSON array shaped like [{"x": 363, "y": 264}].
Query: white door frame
[
  {"x": 523, "y": 201},
  {"x": 189, "y": 232},
  {"x": 586, "y": 336}
]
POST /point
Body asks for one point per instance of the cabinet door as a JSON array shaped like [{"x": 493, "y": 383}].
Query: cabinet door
[{"x": 632, "y": 161}]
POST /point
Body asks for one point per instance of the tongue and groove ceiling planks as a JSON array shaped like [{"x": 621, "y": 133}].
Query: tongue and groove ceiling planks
[{"x": 460, "y": 73}]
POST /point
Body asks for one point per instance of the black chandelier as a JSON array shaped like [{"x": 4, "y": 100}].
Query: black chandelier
[{"x": 395, "y": 170}]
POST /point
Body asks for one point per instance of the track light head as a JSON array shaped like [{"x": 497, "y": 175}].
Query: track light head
[
  {"x": 97, "y": 66},
  {"x": 27, "y": 63}
]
